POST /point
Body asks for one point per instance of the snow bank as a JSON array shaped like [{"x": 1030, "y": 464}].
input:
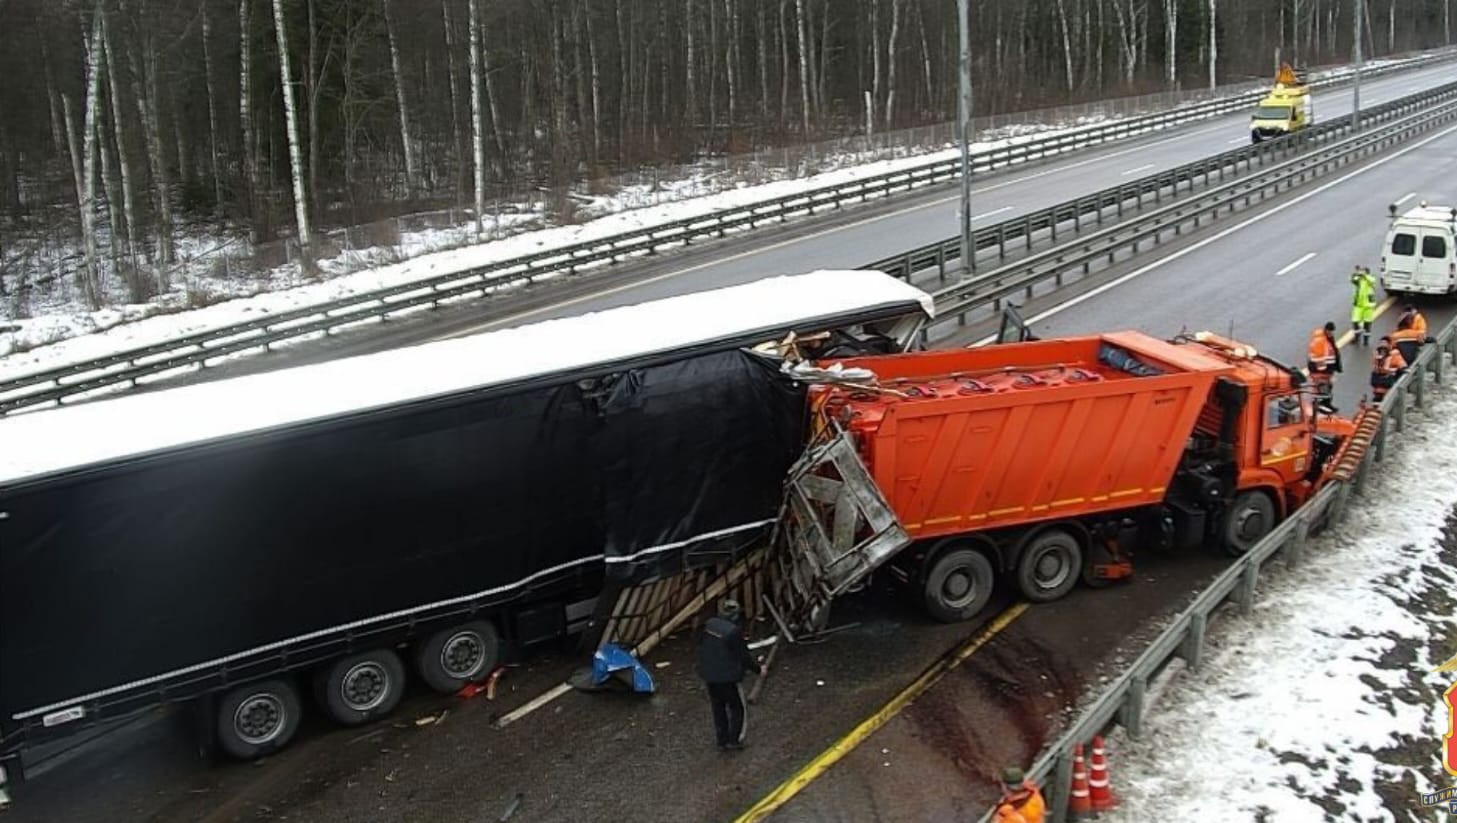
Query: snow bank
[{"x": 1322, "y": 705}]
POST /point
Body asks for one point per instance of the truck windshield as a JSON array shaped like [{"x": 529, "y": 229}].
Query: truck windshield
[{"x": 1272, "y": 113}]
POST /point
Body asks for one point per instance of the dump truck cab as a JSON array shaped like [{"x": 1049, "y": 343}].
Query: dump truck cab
[
  {"x": 1279, "y": 444},
  {"x": 1419, "y": 255},
  {"x": 1285, "y": 110}
]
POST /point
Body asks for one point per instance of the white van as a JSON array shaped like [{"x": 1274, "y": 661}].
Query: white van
[{"x": 1420, "y": 256}]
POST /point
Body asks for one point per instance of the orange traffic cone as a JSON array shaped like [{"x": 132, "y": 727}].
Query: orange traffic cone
[
  {"x": 1079, "y": 804},
  {"x": 1100, "y": 792}
]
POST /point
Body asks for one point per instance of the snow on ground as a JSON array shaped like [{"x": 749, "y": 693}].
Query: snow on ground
[
  {"x": 56, "y": 331},
  {"x": 54, "y": 339},
  {"x": 1323, "y": 704}
]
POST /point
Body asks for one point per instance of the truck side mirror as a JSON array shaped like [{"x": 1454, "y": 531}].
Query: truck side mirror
[{"x": 1391, "y": 208}]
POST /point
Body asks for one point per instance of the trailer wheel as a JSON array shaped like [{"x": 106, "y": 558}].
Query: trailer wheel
[
  {"x": 455, "y": 656},
  {"x": 361, "y": 687},
  {"x": 257, "y": 718},
  {"x": 1050, "y": 566},
  {"x": 958, "y": 585},
  {"x": 1249, "y": 519}
]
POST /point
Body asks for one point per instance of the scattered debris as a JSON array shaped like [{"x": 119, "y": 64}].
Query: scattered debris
[
  {"x": 432, "y": 719},
  {"x": 511, "y": 808}
]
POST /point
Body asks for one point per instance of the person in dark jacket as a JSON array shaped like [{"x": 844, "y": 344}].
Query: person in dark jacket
[{"x": 723, "y": 660}]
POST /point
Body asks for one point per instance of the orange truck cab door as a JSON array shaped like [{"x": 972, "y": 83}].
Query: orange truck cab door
[{"x": 1286, "y": 437}]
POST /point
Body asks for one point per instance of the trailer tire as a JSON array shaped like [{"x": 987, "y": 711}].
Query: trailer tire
[
  {"x": 1050, "y": 566},
  {"x": 458, "y": 655},
  {"x": 361, "y": 687},
  {"x": 958, "y": 585},
  {"x": 1250, "y": 517},
  {"x": 256, "y": 719}
]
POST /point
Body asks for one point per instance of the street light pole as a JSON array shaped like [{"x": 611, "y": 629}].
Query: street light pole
[
  {"x": 963, "y": 18},
  {"x": 1360, "y": 9}
]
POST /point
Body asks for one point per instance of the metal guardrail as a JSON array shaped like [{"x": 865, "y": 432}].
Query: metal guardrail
[
  {"x": 1125, "y": 701},
  {"x": 954, "y": 303},
  {"x": 126, "y": 367},
  {"x": 937, "y": 255}
]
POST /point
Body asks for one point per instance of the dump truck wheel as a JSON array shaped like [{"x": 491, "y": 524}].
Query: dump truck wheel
[
  {"x": 1249, "y": 519},
  {"x": 256, "y": 719},
  {"x": 958, "y": 585},
  {"x": 1050, "y": 566},
  {"x": 456, "y": 656},
  {"x": 361, "y": 687}
]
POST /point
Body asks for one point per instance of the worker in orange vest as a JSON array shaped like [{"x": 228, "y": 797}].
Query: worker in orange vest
[
  {"x": 1323, "y": 359},
  {"x": 1386, "y": 368},
  {"x": 1021, "y": 799},
  {"x": 1413, "y": 318},
  {"x": 1410, "y": 334}
]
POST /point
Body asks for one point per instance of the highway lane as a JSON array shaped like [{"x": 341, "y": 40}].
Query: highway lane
[
  {"x": 853, "y": 238},
  {"x": 1273, "y": 274}
]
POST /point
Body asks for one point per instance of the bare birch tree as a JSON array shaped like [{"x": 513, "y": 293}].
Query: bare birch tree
[
  {"x": 412, "y": 179},
  {"x": 478, "y": 139},
  {"x": 295, "y": 150}
]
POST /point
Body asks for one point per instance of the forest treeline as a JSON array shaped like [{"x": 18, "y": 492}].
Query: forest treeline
[{"x": 126, "y": 119}]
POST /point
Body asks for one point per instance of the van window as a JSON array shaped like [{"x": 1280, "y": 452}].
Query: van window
[
  {"x": 1404, "y": 245},
  {"x": 1433, "y": 246}
]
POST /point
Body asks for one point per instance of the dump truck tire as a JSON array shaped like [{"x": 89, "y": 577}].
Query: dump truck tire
[
  {"x": 256, "y": 719},
  {"x": 453, "y": 657},
  {"x": 361, "y": 687},
  {"x": 1250, "y": 517},
  {"x": 958, "y": 585},
  {"x": 1050, "y": 566}
]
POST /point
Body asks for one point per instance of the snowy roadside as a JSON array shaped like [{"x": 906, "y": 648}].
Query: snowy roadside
[
  {"x": 1323, "y": 704},
  {"x": 60, "y": 332}
]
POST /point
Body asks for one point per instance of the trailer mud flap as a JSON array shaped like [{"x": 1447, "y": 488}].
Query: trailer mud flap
[{"x": 834, "y": 529}]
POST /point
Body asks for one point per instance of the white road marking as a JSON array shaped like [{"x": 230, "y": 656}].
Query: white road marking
[
  {"x": 1187, "y": 250},
  {"x": 1404, "y": 199},
  {"x": 1295, "y": 265},
  {"x": 1137, "y": 170},
  {"x": 990, "y": 213},
  {"x": 1239, "y": 140}
]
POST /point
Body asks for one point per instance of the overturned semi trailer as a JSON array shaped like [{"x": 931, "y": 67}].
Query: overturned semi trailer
[{"x": 428, "y": 506}]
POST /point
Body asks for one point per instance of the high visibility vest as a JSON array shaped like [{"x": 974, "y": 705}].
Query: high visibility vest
[
  {"x": 1026, "y": 806},
  {"x": 1320, "y": 352},
  {"x": 1418, "y": 323},
  {"x": 1392, "y": 363},
  {"x": 1365, "y": 296}
]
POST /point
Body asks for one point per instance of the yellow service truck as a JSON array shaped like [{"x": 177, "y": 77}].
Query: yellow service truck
[{"x": 1285, "y": 110}]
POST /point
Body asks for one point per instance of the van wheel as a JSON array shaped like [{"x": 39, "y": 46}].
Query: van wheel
[
  {"x": 455, "y": 656},
  {"x": 958, "y": 585},
  {"x": 361, "y": 687},
  {"x": 256, "y": 719},
  {"x": 1248, "y": 520},
  {"x": 1049, "y": 566}
]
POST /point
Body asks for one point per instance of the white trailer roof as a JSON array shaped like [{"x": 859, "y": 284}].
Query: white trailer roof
[{"x": 45, "y": 442}]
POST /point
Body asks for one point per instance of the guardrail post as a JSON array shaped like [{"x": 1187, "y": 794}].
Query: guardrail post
[
  {"x": 1192, "y": 649},
  {"x": 1439, "y": 365},
  {"x": 1249, "y": 580},
  {"x": 1130, "y": 715},
  {"x": 1002, "y": 241},
  {"x": 1419, "y": 386},
  {"x": 1398, "y": 410},
  {"x": 1058, "y": 787},
  {"x": 1295, "y": 550}
]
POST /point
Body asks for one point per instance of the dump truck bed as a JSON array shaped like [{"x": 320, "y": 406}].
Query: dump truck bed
[{"x": 1009, "y": 435}]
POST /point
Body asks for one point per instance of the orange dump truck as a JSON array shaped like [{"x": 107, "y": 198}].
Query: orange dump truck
[{"x": 1049, "y": 460}]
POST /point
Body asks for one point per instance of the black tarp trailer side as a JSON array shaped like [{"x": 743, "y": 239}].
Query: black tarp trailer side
[{"x": 170, "y": 575}]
